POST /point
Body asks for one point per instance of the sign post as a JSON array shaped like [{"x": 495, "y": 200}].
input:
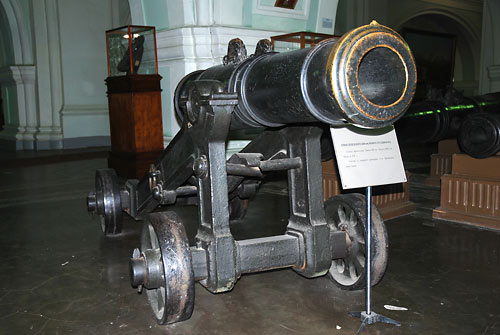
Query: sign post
[{"x": 366, "y": 158}]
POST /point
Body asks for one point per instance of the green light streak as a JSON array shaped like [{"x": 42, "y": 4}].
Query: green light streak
[
  {"x": 452, "y": 108},
  {"x": 424, "y": 113},
  {"x": 489, "y": 103},
  {"x": 449, "y": 108}
]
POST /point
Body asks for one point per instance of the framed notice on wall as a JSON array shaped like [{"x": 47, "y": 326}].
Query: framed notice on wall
[{"x": 289, "y": 4}]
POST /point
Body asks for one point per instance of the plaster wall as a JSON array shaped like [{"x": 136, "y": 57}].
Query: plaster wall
[{"x": 83, "y": 67}]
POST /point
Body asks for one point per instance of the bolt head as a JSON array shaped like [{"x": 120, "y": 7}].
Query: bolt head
[
  {"x": 157, "y": 193},
  {"x": 200, "y": 167}
]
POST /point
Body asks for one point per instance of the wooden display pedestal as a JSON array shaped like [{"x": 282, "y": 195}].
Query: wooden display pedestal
[
  {"x": 391, "y": 200},
  {"x": 441, "y": 162},
  {"x": 132, "y": 165},
  {"x": 470, "y": 194},
  {"x": 135, "y": 123}
]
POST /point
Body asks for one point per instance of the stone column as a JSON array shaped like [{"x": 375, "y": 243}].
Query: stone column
[
  {"x": 489, "y": 80},
  {"x": 18, "y": 83},
  {"x": 49, "y": 76}
]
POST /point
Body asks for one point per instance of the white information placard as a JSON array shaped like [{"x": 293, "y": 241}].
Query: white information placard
[{"x": 367, "y": 157}]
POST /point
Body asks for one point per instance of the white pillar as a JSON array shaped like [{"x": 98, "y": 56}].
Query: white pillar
[
  {"x": 18, "y": 83},
  {"x": 489, "y": 76},
  {"x": 49, "y": 77}
]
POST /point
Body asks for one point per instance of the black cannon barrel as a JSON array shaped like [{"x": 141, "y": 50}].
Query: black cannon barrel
[
  {"x": 367, "y": 77},
  {"x": 432, "y": 121},
  {"x": 479, "y": 135}
]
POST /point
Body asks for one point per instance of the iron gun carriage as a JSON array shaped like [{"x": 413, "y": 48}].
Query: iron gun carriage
[{"x": 366, "y": 78}]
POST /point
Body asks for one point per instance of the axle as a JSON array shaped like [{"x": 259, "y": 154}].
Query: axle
[{"x": 254, "y": 255}]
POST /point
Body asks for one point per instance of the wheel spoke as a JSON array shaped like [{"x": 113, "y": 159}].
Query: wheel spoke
[
  {"x": 353, "y": 220},
  {"x": 339, "y": 266},
  {"x": 354, "y": 234},
  {"x": 146, "y": 239},
  {"x": 160, "y": 298},
  {"x": 359, "y": 263},
  {"x": 342, "y": 214},
  {"x": 352, "y": 271},
  {"x": 153, "y": 240}
]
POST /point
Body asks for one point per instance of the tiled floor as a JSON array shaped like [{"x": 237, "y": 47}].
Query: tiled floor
[{"x": 59, "y": 275}]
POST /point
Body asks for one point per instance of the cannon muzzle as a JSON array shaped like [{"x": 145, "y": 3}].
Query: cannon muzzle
[{"x": 367, "y": 77}]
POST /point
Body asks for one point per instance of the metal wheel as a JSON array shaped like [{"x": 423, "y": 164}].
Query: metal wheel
[
  {"x": 347, "y": 212},
  {"x": 163, "y": 267},
  {"x": 106, "y": 201}
]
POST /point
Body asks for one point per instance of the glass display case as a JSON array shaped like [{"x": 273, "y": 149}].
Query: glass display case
[
  {"x": 131, "y": 50},
  {"x": 298, "y": 40}
]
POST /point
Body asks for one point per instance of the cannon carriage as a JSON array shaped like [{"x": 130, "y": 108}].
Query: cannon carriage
[{"x": 366, "y": 78}]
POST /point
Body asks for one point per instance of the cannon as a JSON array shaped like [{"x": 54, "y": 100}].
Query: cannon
[
  {"x": 430, "y": 121},
  {"x": 479, "y": 134},
  {"x": 366, "y": 78}
]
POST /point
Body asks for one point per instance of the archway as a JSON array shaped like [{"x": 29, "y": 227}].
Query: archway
[
  {"x": 6, "y": 57},
  {"x": 468, "y": 45},
  {"x": 18, "y": 26},
  {"x": 17, "y": 76}
]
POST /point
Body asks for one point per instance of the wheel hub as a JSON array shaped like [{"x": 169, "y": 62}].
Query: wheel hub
[
  {"x": 146, "y": 269},
  {"x": 106, "y": 201}
]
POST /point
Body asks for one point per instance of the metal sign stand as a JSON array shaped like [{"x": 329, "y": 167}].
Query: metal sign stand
[{"x": 368, "y": 317}]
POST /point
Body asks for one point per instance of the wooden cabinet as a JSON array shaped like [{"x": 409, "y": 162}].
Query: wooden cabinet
[{"x": 135, "y": 123}]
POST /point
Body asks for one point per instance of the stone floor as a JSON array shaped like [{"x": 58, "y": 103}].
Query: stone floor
[{"x": 60, "y": 275}]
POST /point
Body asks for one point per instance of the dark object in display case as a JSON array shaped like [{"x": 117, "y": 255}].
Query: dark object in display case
[
  {"x": 289, "y": 93},
  {"x": 131, "y": 50},
  {"x": 135, "y": 54}
]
